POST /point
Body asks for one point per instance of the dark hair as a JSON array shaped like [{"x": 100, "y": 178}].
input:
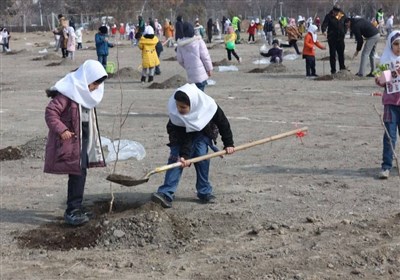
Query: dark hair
[
  {"x": 52, "y": 92},
  {"x": 182, "y": 97},
  {"x": 336, "y": 8},
  {"x": 99, "y": 81},
  {"x": 103, "y": 29}
]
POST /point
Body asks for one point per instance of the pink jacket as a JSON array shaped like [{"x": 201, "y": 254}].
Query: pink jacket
[
  {"x": 192, "y": 54},
  {"x": 63, "y": 156}
]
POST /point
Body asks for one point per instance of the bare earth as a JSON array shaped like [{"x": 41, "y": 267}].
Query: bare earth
[{"x": 309, "y": 208}]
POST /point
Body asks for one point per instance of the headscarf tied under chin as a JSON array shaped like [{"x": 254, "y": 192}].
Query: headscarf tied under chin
[
  {"x": 313, "y": 30},
  {"x": 75, "y": 85},
  {"x": 388, "y": 54},
  {"x": 202, "y": 109}
]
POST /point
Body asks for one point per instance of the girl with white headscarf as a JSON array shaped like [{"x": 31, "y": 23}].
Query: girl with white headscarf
[
  {"x": 73, "y": 142},
  {"x": 390, "y": 99},
  {"x": 310, "y": 42},
  {"x": 194, "y": 123}
]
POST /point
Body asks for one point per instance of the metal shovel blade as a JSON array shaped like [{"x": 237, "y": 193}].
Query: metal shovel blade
[{"x": 126, "y": 180}]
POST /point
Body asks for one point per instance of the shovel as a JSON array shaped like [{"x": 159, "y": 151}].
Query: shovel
[{"x": 130, "y": 181}]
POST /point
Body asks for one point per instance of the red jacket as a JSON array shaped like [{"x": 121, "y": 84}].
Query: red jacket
[
  {"x": 252, "y": 29},
  {"x": 309, "y": 44},
  {"x": 63, "y": 156}
]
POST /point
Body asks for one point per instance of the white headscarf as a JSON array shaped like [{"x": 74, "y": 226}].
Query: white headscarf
[
  {"x": 148, "y": 30},
  {"x": 313, "y": 30},
  {"x": 202, "y": 109},
  {"x": 388, "y": 54},
  {"x": 75, "y": 84}
]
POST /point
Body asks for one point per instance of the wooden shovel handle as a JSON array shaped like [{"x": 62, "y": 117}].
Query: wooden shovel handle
[{"x": 223, "y": 152}]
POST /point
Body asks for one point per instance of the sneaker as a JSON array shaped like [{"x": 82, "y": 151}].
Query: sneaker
[
  {"x": 87, "y": 212},
  {"x": 384, "y": 174},
  {"x": 209, "y": 199},
  {"x": 240, "y": 60},
  {"x": 161, "y": 199},
  {"x": 75, "y": 217},
  {"x": 370, "y": 75}
]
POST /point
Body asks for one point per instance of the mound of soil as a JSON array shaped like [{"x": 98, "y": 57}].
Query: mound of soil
[
  {"x": 172, "y": 58},
  {"x": 17, "y": 52},
  {"x": 34, "y": 148},
  {"x": 41, "y": 44},
  {"x": 276, "y": 68},
  {"x": 49, "y": 56},
  {"x": 341, "y": 75},
  {"x": 173, "y": 82},
  {"x": 223, "y": 62},
  {"x": 257, "y": 70},
  {"x": 126, "y": 227},
  {"x": 127, "y": 72},
  {"x": 10, "y": 153}
]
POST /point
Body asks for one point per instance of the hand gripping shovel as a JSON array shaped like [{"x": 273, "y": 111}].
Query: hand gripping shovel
[{"x": 129, "y": 181}]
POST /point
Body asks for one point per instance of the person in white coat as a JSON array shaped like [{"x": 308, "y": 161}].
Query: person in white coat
[{"x": 192, "y": 54}]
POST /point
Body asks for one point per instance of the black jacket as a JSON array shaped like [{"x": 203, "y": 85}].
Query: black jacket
[
  {"x": 360, "y": 28},
  {"x": 218, "y": 124},
  {"x": 179, "y": 28},
  {"x": 335, "y": 26}
]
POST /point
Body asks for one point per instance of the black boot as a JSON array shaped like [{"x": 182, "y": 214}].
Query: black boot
[
  {"x": 143, "y": 79},
  {"x": 157, "y": 71},
  {"x": 150, "y": 79}
]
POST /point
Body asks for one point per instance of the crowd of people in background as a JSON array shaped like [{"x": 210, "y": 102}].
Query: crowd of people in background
[{"x": 335, "y": 25}]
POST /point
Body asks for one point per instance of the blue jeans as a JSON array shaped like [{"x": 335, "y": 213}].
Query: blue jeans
[
  {"x": 172, "y": 177},
  {"x": 201, "y": 85},
  {"x": 103, "y": 60},
  {"x": 392, "y": 124}
]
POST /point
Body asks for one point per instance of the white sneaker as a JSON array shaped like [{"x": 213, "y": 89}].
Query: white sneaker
[
  {"x": 240, "y": 60},
  {"x": 384, "y": 174}
]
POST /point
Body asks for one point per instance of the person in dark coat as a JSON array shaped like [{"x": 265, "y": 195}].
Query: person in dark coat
[
  {"x": 275, "y": 53},
  {"x": 102, "y": 45},
  {"x": 210, "y": 27},
  {"x": 334, "y": 25},
  {"x": 73, "y": 142},
  {"x": 367, "y": 37},
  {"x": 178, "y": 28}
]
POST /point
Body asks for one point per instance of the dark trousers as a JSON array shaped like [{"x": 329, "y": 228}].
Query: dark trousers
[
  {"x": 336, "y": 46},
  {"x": 76, "y": 187},
  {"x": 103, "y": 60},
  {"x": 292, "y": 43},
  {"x": 79, "y": 46},
  {"x": 76, "y": 183},
  {"x": 64, "y": 52},
  {"x": 310, "y": 65},
  {"x": 251, "y": 37},
  {"x": 230, "y": 52}
]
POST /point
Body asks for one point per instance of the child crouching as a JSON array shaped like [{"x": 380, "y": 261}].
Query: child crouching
[{"x": 195, "y": 120}]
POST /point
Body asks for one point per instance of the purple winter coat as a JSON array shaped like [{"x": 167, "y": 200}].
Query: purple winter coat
[
  {"x": 64, "y": 156},
  {"x": 192, "y": 54}
]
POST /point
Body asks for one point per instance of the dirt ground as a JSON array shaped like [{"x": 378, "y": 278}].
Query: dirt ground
[{"x": 309, "y": 208}]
